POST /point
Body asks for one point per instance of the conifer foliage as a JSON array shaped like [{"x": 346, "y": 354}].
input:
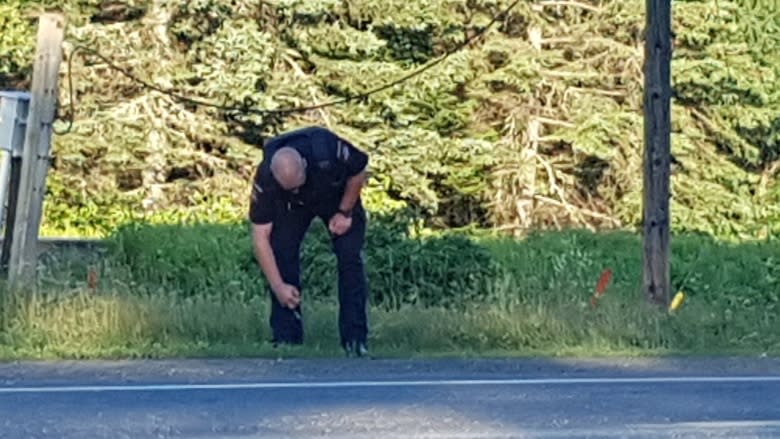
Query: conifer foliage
[{"x": 537, "y": 124}]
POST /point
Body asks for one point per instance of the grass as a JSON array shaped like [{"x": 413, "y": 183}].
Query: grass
[{"x": 195, "y": 291}]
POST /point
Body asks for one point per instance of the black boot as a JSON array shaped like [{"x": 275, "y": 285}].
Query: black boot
[{"x": 355, "y": 349}]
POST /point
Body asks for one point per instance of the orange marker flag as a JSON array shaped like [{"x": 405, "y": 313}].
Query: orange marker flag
[
  {"x": 92, "y": 279},
  {"x": 601, "y": 286}
]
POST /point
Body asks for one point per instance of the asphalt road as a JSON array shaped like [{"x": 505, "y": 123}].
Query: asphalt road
[{"x": 377, "y": 399}]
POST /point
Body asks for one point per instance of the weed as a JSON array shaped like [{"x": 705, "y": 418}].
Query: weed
[{"x": 198, "y": 292}]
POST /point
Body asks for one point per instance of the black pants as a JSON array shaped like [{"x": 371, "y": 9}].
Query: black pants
[{"x": 286, "y": 237}]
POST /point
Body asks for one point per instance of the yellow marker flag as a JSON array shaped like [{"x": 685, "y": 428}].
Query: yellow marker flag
[{"x": 677, "y": 301}]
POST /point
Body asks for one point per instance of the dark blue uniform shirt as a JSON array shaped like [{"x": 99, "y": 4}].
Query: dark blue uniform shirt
[{"x": 331, "y": 161}]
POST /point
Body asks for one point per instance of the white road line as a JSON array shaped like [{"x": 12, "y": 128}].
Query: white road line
[
  {"x": 715, "y": 424},
  {"x": 380, "y": 383}
]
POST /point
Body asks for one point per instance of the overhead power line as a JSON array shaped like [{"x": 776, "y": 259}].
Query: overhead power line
[{"x": 281, "y": 111}]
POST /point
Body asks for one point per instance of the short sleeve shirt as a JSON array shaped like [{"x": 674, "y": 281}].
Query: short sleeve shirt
[{"x": 331, "y": 160}]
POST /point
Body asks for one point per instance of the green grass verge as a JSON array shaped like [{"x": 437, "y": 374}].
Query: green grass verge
[{"x": 195, "y": 291}]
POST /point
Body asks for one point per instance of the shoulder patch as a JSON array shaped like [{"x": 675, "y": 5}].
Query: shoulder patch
[
  {"x": 342, "y": 151},
  {"x": 256, "y": 191}
]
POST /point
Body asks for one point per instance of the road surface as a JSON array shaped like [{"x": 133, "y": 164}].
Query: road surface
[{"x": 377, "y": 399}]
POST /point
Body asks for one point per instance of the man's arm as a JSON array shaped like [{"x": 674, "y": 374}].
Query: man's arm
[
  {"x": 356, "y": 162},
  {"x": 261, "y": 216},
  {"x": 352, "y": 191},
  {"x": 261, "y": 238},
  {"x": 287, "y": 295}
]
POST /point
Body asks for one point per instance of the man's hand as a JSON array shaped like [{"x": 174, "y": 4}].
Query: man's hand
[
  {"x": 288, "y": 295},
  {"x": 339, "y": 224}
]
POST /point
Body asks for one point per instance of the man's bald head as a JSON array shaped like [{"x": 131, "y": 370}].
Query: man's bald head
[{"x": 288, "y": 168}]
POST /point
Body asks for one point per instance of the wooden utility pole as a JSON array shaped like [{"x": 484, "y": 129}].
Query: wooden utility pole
[
  {"x": 37, "y": 146},
  {"x": 657, "y": 154}
]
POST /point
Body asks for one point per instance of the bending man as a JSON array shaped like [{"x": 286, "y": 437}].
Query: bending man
[{"x": 306, "y": 173}]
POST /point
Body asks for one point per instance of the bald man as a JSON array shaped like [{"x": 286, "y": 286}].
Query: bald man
[{"x": 307, "y": 173}]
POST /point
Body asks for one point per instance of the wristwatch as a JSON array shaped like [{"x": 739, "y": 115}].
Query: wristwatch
[{"x": 346, "y": 213}]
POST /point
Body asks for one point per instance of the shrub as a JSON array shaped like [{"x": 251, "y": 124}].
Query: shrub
[{"x": 217, "y": 260}]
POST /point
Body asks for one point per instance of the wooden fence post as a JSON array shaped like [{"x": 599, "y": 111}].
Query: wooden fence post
[
  {"x": 657, "y": 154},
  {"x": 37, "y": 146}
]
